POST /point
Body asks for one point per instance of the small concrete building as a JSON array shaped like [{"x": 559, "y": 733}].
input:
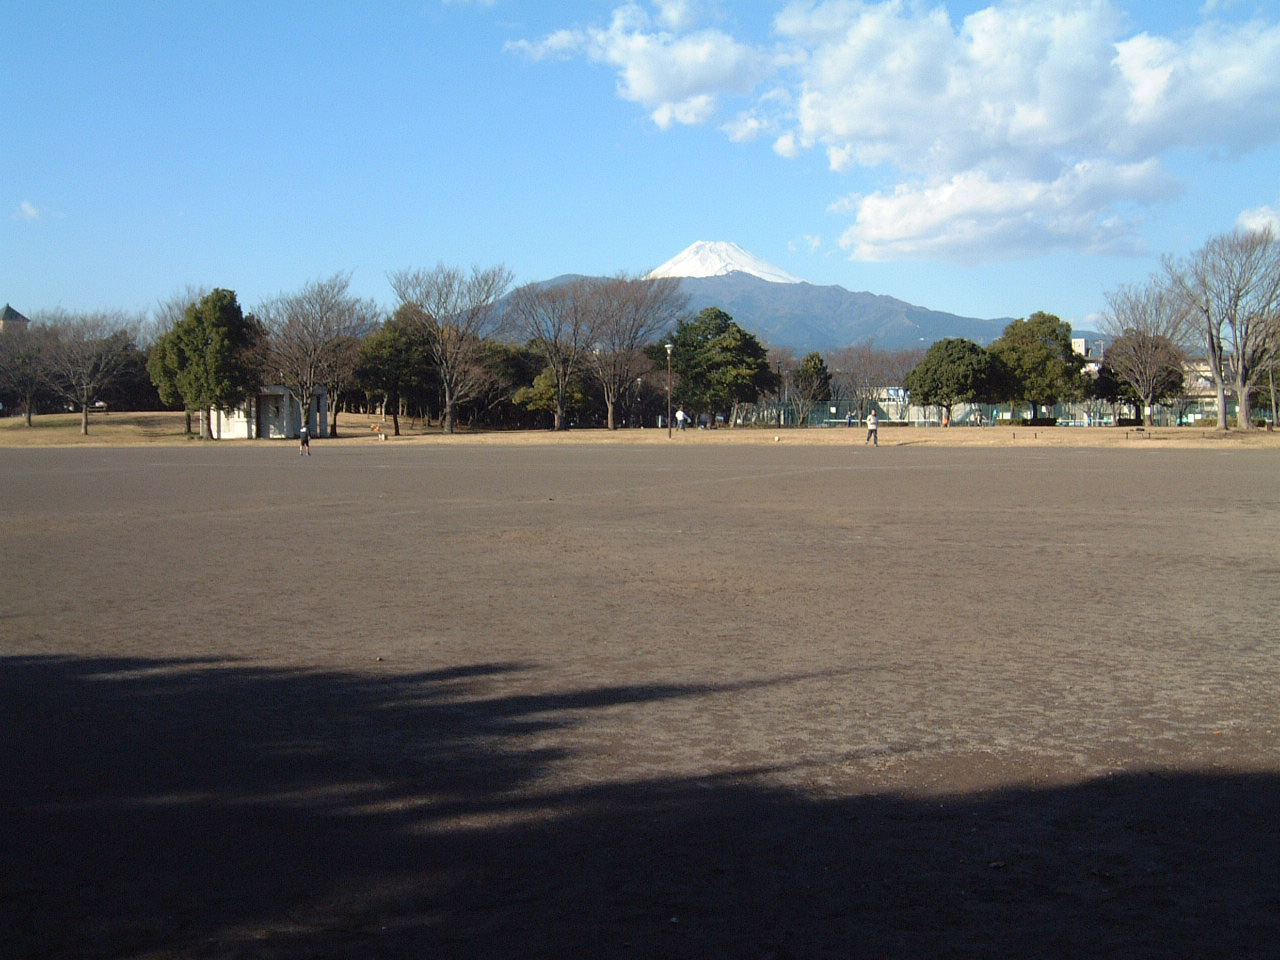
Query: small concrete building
[{"x": 271, "y": 414}]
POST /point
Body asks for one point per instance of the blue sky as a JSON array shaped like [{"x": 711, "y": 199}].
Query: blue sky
[{"x": 984, "y": 159}]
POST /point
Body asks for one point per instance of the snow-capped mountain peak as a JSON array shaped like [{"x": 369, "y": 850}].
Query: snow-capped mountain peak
[{"x": 714, "y": 258}]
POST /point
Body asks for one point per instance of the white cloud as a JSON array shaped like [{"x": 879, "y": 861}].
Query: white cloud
[
  {"x": 786, "y": 146},
  {"x": 692, "y": 111},
  {"x": 27, "y": 211},
  {"x": 678, "y": 76},
  {"x": 1026, "y": 123},
  {"x": 971, "y": 216},
  {"x": 676, "y": 14},
  {"x": 744, "y": 127},
  {"x": 1260, "y": 218}
]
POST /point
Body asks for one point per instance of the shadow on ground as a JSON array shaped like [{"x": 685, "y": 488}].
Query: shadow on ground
[{"x": 195, "y": 809}]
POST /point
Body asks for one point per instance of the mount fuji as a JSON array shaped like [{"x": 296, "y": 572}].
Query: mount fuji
[
  {"x": 718, "y": 258},
  {"x": 785, "y": 311}
]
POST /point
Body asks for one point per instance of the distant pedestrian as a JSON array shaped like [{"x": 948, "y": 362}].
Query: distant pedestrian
[
  {"x": 304, "y": 443},
  {"x": 681, "y": 418},
  {"x": 849, "y": 422},
  {"x": 873, "y": 429}
]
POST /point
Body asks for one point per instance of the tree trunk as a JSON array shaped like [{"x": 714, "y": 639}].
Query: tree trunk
[
  {"x": 84, "y": 419},
  {"x": 1221, "y": 392},
  {"x": 1244, "y": 410},
  {"x": 609, "y": 405}
]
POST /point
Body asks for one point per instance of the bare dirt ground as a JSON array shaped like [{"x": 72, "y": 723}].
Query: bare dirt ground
[{"x": 699, "y": 698}]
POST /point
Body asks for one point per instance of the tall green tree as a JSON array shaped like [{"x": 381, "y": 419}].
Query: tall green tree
[
  {"x": 212, "y": 357},
  {"x": 717, "y": 362},
  {"x": 1043, "y": 368},
  {"x": 955, "y": 371}
]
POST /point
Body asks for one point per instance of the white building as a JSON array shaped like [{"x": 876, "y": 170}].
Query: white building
[{"x": 271, "y": 414}]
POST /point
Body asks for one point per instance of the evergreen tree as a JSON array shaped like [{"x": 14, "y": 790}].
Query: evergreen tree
[
  {"x": 212, "y": 359},
  {"x": 1043, "y": 368},
  {"x": 717, "y": 363},
  {"x": 954, "y": 371}
]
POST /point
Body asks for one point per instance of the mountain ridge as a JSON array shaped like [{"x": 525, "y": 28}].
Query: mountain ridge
[{"x": 807, "y": 317}]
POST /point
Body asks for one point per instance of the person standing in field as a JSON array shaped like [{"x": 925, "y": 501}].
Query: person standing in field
[
  {"x": 304, "y": 442},
  {"x": 873, "y": 429}
]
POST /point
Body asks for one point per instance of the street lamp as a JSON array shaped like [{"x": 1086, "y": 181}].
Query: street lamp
[{"x": 669, "y": 347}]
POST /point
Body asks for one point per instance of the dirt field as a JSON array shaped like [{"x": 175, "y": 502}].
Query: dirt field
[{"x": 707, "y": 698}]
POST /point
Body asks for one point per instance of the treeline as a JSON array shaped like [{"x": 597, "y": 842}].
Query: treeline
[
  {"x": 1220, "y": 307},
  {"x": 461, "y": 348}
]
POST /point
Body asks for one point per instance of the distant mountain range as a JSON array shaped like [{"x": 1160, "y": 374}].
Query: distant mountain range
[
  {"x": 785, "y": 311},
  {"x": 807, "y": 317}
]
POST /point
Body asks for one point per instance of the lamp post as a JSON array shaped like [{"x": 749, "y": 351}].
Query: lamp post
[
  {"x": 669, "y": 347},
  {"x": 782, "y": 416}
]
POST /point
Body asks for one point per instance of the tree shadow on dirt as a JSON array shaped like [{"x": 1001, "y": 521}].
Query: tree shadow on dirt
[{"x": 198, "y": 809}]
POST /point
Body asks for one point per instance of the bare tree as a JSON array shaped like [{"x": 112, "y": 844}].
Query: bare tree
[
  {"x": 629, "y": 313},
  {"x": 24, "y": 350},
  {"x": 1232, "y": 285},
  {"x": 810, "y": 384},
  {"x": 85, "y": 354},
  {"x": 457, "y": 313},
  {"x": 858, "y": 373},
  {"x": 168, "y": 313},
  {"x": 1147, "y": 324},
  {"x": 314, "y": 340},
  {"x": 558, "y": 321}
]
